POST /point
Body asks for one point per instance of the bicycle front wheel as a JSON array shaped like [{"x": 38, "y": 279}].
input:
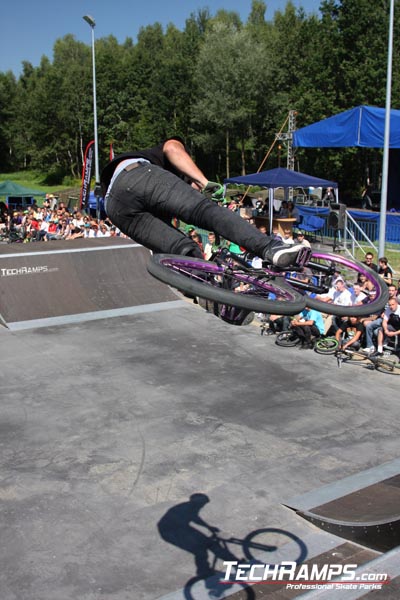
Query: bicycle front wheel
[
  {"x": 251, "y": 289},
  {"x": 322, "y": 267},
  {"x": 327, "y": 345}
]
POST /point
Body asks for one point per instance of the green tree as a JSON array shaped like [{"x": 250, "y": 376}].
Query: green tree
[
  {"x": 231, "y": 71},
  {"x": 8, "y": 93}
]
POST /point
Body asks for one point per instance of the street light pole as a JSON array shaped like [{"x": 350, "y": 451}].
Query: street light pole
[
  {"x": 97, "y": 189},
  {"x": 386, "y": 143}
]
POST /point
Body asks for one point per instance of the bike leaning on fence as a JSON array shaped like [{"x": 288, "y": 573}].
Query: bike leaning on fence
[{"x": 229, "y": 279}]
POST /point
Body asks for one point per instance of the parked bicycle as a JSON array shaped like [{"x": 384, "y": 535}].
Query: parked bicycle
[
  {"x": 388, "y": 362},
  {"x": 229, "y": 280},
  {"x": 322, "y": 345}
]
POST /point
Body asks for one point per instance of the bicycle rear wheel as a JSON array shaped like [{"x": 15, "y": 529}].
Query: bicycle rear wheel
[
  {"x": 322, "y": 267},
  {"x": 388, "y": 364},
  {"x": 251, "y": 289}
]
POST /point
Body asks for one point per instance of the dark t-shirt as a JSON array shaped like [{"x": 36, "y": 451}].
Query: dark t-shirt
[
  {"x": 371, "y": 265},
  {"x": 350, "y": 329},
  {"x": 154, "y": 155},
  {"x": 385, "y": 271}
]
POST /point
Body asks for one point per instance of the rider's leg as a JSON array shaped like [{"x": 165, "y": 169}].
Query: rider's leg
[
  {"x": 127, "y": 213},
  {"x": 150, "y": 189},
  {"x": 370, "y": 330}
]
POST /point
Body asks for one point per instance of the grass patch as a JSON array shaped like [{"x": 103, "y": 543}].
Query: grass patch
[{"x": 35, "y": 180}]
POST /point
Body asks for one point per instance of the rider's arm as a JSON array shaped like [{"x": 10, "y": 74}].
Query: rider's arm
[
  {"x": 338, "y": 334},
  {"x": 352, "y": 340},
  {"x": 180, "y": 159},
  {"x": 199, "y": 521}
]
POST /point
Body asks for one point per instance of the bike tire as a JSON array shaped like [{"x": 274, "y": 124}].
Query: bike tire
[
  {"x": 207, "y": 279},
  {"x": 350, "y": 269},
  {"x": 261, "y": 543},
  {"x": 327, "y": 345},
  {"x": 388, "y": 364},
  {"x": 287, "y": 339},
  {"x": 192, "y": 593}
]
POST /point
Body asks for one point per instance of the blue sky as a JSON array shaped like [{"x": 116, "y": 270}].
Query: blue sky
[{"x": 30, "y": 27}]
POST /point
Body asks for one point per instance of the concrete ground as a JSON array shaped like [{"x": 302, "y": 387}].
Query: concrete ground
[{"x": 108, "y": 425}]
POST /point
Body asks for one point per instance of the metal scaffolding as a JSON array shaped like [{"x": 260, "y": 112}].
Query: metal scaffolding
[{"x": 287, "y": 139}]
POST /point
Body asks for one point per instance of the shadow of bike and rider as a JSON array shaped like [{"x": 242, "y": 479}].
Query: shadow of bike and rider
[{"x": 179, "y": 527}]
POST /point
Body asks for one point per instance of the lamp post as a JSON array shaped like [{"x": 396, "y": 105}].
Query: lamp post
[
  {"x": 386, "y": 143},
  {"x": 97, "y": 189}
]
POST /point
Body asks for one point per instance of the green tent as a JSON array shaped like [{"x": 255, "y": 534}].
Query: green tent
[{"x": 14, "y": 190}]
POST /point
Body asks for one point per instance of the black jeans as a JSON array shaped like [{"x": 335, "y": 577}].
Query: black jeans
[
  {"x": 143, "y": 201},
  {"x": 306, "y": 331}
]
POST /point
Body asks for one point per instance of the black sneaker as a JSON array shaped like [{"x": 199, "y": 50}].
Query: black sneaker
[
  {"x": 282, "y": 255},
  {"x": 376, "y": 354}
]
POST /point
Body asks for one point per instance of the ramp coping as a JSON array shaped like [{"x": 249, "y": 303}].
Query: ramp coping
[
  {"x": 387, "y": 563},
  {"x": 345, "y": 486},
  {"x": 70, "y": 250},
  {"x": 96, "y": 315}
]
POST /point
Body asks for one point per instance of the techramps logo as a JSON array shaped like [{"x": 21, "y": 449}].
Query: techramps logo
[
  {"x": 13, "y": 272},
  {"x": 304, "y": 577}
]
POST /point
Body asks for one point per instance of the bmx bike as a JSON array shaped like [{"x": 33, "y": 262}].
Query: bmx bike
[
  {"x": 258, "y": 547},
  {"x": 230, "y": 280},
  {"x": 321, "y": 345},
  {"x": 388, "y": 362}
]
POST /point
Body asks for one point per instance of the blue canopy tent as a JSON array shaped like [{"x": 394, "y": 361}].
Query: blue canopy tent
[
  {"x": 280, "y": 177},
  {"x": 363, "y": 127}
]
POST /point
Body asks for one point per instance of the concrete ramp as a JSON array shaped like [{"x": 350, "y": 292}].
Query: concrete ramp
[
  {"x": 369, "y": 516},
  {"x": 61, "y": 282}
]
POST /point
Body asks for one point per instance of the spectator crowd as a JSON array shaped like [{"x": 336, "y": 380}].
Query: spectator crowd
[
  {"x": 54, "y": 221},
  {"x": 46, "y": 223}
]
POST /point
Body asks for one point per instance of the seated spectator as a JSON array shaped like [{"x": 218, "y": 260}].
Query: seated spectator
[
  {"x": 293, "y": 212},
  {"x": 286, "y": 236},
  {"x": 329, "y": 196},
  {"x": 365, "y": 284},
  {"x": 42, "y": 230},
  {"x": 338, "y": 294},
  {"x": 275, "y": 323},
  {"x": 52, "y": 231},
  {"x": 197, "y": 238},
  {"x": 103, "y": 231},
  {"x": 284, "y": 210},
  {"x": 92, "y": 231},
  {"x": 233, "y": 205},
  {"x": 368, "y": 261},
  {"x": 350, "y": 332},
  {"x": 358, "y": 297},
  {"x": 65, "y": 229},
  {"x": 390, "y": 324},
  {"x": 211, "y": 245},
  {"x": 384, "y": 270},
  {"x": 309, "y": 324},
  {"x": 373, "y": 323},
  {"x": 300, "y": 239}
]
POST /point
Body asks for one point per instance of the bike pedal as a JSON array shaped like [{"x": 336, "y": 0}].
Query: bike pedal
[{"x": 303, "y": 256}]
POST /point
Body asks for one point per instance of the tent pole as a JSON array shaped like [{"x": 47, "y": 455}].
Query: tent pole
[{"x": 267, "y": 154}]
